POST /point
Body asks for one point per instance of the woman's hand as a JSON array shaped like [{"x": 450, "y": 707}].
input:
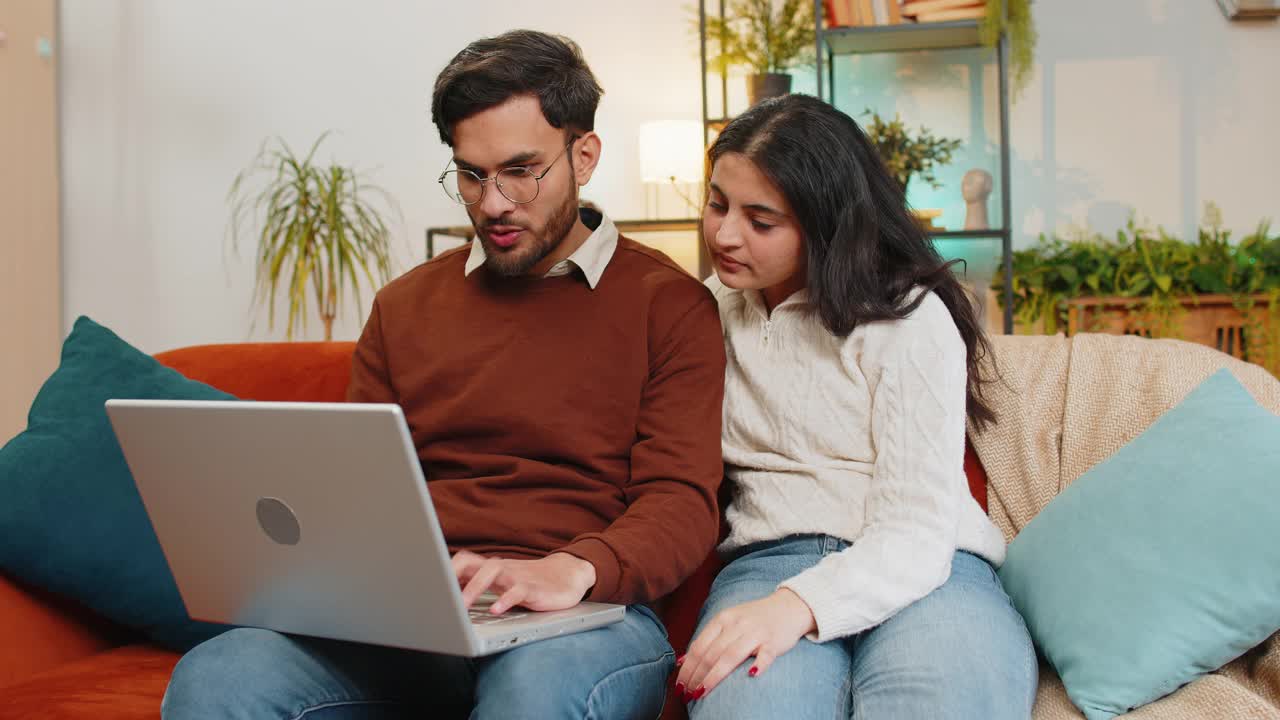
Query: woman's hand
[{"x": 764, "y": 629}]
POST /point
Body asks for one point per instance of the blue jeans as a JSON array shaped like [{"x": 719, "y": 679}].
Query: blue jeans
[
  {"x": 618, "y": 671},
  {"x": 960, "y": 652}
]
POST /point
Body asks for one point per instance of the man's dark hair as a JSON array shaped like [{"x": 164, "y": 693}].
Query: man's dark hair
[{"x": 490, "y": 71}]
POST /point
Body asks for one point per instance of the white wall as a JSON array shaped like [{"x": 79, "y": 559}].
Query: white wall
[
  {"x": 1153, "y": 107},
  {"x": 164, "y": 101},
  {"x": 1146, "y": 106}
]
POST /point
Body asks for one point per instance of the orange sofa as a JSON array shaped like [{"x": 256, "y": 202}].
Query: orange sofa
[{"x": 60, "y": 662}]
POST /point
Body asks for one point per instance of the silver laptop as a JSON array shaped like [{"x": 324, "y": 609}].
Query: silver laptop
[{"x": 315, "y": 519}]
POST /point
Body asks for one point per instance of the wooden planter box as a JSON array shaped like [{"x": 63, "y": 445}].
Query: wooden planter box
[{"x": 1211, "y": 320}]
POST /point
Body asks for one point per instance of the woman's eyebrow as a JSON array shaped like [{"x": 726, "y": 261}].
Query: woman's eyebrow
[{"x": 757, "y": 207}]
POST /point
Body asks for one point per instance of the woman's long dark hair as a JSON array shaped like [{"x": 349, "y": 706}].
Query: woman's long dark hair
[{"x": 866, "y": 251}]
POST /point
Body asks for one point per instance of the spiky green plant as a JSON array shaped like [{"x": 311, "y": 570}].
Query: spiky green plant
[{"x": 320, "y": 231}]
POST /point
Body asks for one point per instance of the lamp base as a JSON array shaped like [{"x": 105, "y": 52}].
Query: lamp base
[{"x": 653, "y": 199}]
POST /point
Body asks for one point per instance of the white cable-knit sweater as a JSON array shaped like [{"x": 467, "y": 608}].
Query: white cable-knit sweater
[{"x": 861, "y": 438}]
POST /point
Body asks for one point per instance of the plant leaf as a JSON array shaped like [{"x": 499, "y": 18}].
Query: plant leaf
[{"x": 316, "y": 226}]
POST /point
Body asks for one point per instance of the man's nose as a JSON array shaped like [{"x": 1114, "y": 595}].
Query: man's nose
[{"x": 494, "y": 204}]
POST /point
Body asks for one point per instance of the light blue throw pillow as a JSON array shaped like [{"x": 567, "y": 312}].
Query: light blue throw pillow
[{"x": 1161, "y": 563}]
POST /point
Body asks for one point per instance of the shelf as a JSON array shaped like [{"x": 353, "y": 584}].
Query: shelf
[
  {"x": 903, "y": 37},
  {"x": 1233, "y": 11},
  {"x": 647, "y": 226},
  {"x": 991, "y": 234},
  {"x": 468, "y": 233}
]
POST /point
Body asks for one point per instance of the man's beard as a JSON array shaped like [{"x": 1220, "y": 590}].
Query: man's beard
[{"x": 508, "y": 263}]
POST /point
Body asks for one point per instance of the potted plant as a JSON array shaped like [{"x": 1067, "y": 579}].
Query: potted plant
[
  {"x": 321, "y": 230},
  {"x": 909, "y": 154},
  {"x": 1213, "y": 291},
  {"x": 767, "y": 36}
]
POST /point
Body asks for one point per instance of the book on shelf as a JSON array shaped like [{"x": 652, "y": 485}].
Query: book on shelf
[
  {"x": 860, "y": 13},
  {"x": 969, "y": 13},
  {"x": 916, "y": 8},
  {"x": 867, "y": 12},
  {"x": 881, "y": 12},
  {"x": 895, "y": 11},
  {"x": 839, "y": 13}
]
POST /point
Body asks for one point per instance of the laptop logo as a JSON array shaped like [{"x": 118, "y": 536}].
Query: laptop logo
[{"x": 278, "y": 521}]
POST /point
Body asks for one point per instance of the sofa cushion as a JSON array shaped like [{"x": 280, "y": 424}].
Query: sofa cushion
[
  {"x": 975, "y": 475},
  {"x": 71, "y": 519},
  {"x": 127, "y": 683},
  {"x": 1161, "y": 563},
  {"x": 293, "y": 371},
  {"x": 42, "y": 631}
]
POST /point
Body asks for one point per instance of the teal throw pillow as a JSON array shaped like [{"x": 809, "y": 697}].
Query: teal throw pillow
[
  {"x": 1161, "y": 563},
  {"x": 71, "y": 519}
]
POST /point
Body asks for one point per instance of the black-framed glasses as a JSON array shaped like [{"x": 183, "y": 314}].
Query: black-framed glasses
[{"x": 517, "y": 184}]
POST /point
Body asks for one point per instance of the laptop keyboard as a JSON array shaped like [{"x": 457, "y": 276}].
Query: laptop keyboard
[
  {"x": 482, "y": 617},
  {"x": 479, "y": 612}
]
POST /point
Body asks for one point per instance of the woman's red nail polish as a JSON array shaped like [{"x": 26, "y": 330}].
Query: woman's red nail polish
[
  {"x": 680, "y": 661},
  {"x": 680, "y": 689},
  {"x": 702, "y": 690},
  {"x": 754, "y": 671}
]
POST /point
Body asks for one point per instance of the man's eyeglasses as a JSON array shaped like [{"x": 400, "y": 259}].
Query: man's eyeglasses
[{"x": 517, "y": 184}]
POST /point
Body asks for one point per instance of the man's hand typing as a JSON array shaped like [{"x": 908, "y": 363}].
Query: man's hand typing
[{"x": 556, "y": 582}]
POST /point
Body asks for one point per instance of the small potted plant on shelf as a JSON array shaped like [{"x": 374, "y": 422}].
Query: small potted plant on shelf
[
  {"x": 321, "y": 231},
  {"x": 909, "y": 154},
  {"x": 768, "y": 36}
]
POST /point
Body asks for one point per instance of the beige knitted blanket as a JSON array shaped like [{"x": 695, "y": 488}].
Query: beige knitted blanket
[{"x": 1066, "y": 404}]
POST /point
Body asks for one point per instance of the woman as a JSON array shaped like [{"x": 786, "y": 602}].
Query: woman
[{"x": 860, "y": 581}]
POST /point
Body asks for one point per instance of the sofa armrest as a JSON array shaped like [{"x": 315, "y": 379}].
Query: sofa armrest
[{"x": 41, "y": 632}]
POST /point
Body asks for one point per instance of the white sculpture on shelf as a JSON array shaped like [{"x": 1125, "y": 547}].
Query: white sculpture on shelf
[{"x": 976, "y": 188}]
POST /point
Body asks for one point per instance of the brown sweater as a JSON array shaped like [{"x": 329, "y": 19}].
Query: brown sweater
[{"x": 552, "y": 417}]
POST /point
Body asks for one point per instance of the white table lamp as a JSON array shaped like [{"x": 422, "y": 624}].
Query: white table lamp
[{"x": 672, "y": 154}]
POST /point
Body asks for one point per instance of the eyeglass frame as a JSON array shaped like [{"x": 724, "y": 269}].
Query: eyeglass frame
[{"x": 537, "y": 179}]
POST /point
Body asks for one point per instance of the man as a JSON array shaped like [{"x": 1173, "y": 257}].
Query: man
[{"x": 563, "y": 387}]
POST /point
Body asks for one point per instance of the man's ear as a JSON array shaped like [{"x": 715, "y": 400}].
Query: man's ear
[{"x": 586, "y": 155}]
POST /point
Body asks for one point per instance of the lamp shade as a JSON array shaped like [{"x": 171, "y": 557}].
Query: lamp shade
[{"x": 671, "y": 150}]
